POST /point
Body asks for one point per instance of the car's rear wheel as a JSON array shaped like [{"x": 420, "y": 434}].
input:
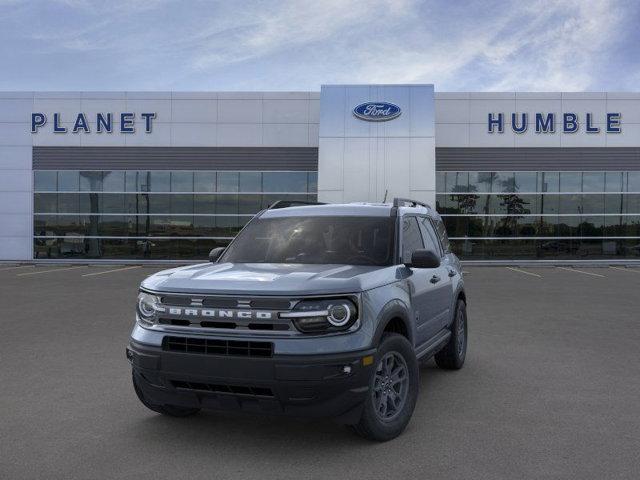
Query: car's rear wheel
[
  {"x": 452, "y": 356},
  {"x": 393, "y": 390},
  {"x": 170, "y": 410}
]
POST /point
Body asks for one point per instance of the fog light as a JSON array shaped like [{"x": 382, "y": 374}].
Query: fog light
[
  {"x": 368, "y": 360},
  {"x": 346, "y": 369}
]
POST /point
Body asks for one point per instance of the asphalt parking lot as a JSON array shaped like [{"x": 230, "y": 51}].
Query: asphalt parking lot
[{"x": 551, "y": 389}]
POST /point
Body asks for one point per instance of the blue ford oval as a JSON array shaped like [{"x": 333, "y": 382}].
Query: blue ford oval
[{"x": 377, "y": 111}]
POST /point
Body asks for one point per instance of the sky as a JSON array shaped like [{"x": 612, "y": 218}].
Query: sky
[{"x": 285, "y": 45}]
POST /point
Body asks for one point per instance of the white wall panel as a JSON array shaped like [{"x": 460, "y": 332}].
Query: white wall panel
[
  {"x": 15, "y": 158},
  {"x": 194, "y": 111},
  {"x": 193, "y": 134},
  {"x": 628, "y": 137},
  {"x": 452, "y": 134},
  {"x": 15, "y": 180},
  {"x": 330, "y": 163},
  {"x": 17, "y": 110},
  {"x": 239, "y": 111},
  {"x": 15, "y": 202},
  {"x": 15, "y": 225},
  {"x": 285, "y": 135},
  {"x": 478, "y": 137},
  {"x": 239, "y": 135},
  {"x": 162, "y": 109},
  {"x": 452, "y": 111},
  {"x": 16, "y": 248},
  {"x": 159, "y": 137},
  {"x": 285, "y": 111},
  {"x": 102, "y": 139}
]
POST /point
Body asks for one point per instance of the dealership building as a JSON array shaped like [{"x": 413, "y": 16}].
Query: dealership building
[{"x": 170, "y": 175}]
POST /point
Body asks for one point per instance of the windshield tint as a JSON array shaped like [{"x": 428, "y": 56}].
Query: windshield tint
[{"x": 341, "y": 240}]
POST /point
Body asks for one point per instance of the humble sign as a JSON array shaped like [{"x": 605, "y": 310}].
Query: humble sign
[
  {"x": 550, "y": 123},
  {"x": 104, "y": 122}
]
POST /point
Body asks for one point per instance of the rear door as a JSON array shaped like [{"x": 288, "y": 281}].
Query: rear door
[
  {"x": 441, "y": 280},
  {"x": 420, "y": 286}
]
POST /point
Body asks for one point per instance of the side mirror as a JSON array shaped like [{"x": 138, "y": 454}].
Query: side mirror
[
  {"x": 424, "y": 259},
  {"x": 214, "y": 254}
]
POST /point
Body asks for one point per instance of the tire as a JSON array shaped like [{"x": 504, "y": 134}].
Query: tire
[
  {"x": 452, "y": 356},
  {"x": 385, "y": 415},
  {"x": 170, "y": 410}
]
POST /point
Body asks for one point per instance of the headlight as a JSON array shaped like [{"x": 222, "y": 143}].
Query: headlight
[
  {"x": 323, "y": 315},
  {"x": 148, "y": 305}
]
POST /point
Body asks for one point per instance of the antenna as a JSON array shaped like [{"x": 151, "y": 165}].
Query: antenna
[{"x": 385, "y": 196}]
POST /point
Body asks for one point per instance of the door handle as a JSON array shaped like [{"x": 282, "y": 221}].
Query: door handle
[{"x": 435, "y": 279}]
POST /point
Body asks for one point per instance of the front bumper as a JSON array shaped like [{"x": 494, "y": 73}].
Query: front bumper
[{"x": 330, "y": 385}]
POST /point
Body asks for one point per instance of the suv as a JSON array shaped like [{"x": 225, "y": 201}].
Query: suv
[{"x": 312, "y": 310}]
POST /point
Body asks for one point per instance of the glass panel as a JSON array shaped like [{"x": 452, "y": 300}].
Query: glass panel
[
  {"x": 250, "y": 181},
  {"x": 68, "y": 203},
  {"x": 632, "y": 223},
  {"x": 133, "y": 181},
  {"x": 591, "y": 226},
  {"x": 159, "y": 182},
  {"x": 613, "y": 182},
  {"x": 44, "y": 180},
  {"x": 631, "y": 203},
  {"x": 182, "y": 181},
  {"x": 527, "y": 226},
  {"x": 571, "y": 203},
  {"x": 312, "y": 182},
  {"x": 113, "y": 181},
  {"x": 249, "y": 204},
  {"x": 91, "y": 181},
  {"x": 569, "y": 226},
  {"x": 204, "y": 204},
  {"x": 112, "y": 203},
  {"x": 480, "y": 181},
  {"x": 457, "y": 182},
  {"x": 158, "y": 203},
  {"x": 593, "y": 181},
  {"x": 526, "y": 182},
  {"x": 633, "y": 182},
  {"x": 227, "y": 204},
  {"x": 592, "y": 203},
  {"x": 228, "y": 181},
  {"x": 549, "y": 182},
  {"x": 429, "y": 237},
  {"x": 45, "y": 203},
  {"x": 204, "y": 181},
  {"x": 549, "y": 204},
  {"x": 411, "y": 238},
  {"x": 284, "y": 182},
  {"x": 504, "y": 182},
  {"x": 456, "y": 226},
  {"x": 68, "y": 181},
  {"x": 570, "y": 181},
  {"x": 440, "y": 182},
  {"x": 613, "y": 203},
  {"x": 181, "y": 203},
  {"x": 548, "y": 226}
]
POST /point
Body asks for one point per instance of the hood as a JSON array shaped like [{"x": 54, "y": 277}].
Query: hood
[{"x": 270, "y": 279}]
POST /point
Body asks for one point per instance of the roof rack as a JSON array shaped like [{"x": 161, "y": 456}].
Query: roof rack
[
  {"x": 403, "y": 202},
  {"x": 292, "y": 203}
]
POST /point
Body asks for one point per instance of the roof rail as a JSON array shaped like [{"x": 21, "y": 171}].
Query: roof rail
[
  {"x": 292, "y": 203},
  {"x": 402, "y": 202}
]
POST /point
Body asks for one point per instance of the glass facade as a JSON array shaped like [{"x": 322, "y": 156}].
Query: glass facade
[
  {"x": 541, "y": 215},
  {"x": 152, "y": 214}
]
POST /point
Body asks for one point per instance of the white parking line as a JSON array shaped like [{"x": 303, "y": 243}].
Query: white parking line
[
  {"x": 49, "y": 271},
  {"x": 14, "y": 268},
  {"x": 634, "y": 270},
  {"x": 111, "y": 271},
  {"x": 581, "y": 271},
  {"x": 522, "y": 271}
]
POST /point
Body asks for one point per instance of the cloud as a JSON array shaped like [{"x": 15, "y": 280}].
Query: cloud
[{"x": 299, "y": 44}]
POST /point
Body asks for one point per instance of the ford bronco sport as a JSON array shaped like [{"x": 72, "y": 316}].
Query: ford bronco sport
[{"x": 320, "y": 310}]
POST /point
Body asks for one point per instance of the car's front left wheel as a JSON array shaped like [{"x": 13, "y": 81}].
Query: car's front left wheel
[{"x": 393, "y": 390}]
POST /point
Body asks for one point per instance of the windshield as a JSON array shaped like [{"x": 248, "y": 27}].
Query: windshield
[{"x": 341, "y": 240}]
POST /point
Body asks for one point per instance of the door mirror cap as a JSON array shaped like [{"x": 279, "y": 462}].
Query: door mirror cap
[
  {"x": 423, "y": 258},
  {"x": 215, "y": 254}
]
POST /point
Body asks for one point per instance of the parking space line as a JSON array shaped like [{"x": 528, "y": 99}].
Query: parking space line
[
  {"x": 111, "y": 271},
  {"x": 49, "y": 271},
  {"x": 582, "y": 271},
  {"x": 514, "y": 269},
  {"x": 634, "y": 270},
  {"x": 15, "y": 268}
]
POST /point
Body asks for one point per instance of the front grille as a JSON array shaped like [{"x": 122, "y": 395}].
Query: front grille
[
  {"x": 229, "y": 389},
  {"x": 208, "y": 346}
]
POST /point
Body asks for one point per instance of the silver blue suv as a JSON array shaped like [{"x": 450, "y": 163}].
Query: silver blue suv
[{"x": 312, "y": 310}]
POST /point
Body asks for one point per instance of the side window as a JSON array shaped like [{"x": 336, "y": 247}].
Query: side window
[
  {"x": 430, "y": 239},
  {"x": 442, "y": 233},
  {"x": 411, "y": 238}
]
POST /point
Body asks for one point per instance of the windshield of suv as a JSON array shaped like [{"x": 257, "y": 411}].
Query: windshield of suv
[{"x": 341, "y": 240}]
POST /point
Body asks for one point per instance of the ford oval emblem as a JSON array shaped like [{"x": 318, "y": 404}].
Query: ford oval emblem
[{"x": 377, "y": 111}]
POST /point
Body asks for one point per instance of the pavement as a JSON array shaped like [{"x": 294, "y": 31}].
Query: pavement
[{"x": 550, "y": 389}]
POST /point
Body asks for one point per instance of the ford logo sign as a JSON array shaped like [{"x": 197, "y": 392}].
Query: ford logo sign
[{"x": 377, "y": 111}]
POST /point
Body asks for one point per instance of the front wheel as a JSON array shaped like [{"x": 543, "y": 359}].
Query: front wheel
[
  {"x": 393, "y": 390},
  {"x": 452, "y": 356}
]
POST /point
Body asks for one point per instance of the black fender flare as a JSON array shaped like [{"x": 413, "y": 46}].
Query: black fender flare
[{"x": 394, "y": 309}]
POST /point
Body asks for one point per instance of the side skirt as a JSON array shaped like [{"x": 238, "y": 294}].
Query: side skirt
[{"x": 432, "y": 346}]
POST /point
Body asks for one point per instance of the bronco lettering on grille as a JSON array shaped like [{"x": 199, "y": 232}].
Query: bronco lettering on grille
[{"x": 220, "y": 313}]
